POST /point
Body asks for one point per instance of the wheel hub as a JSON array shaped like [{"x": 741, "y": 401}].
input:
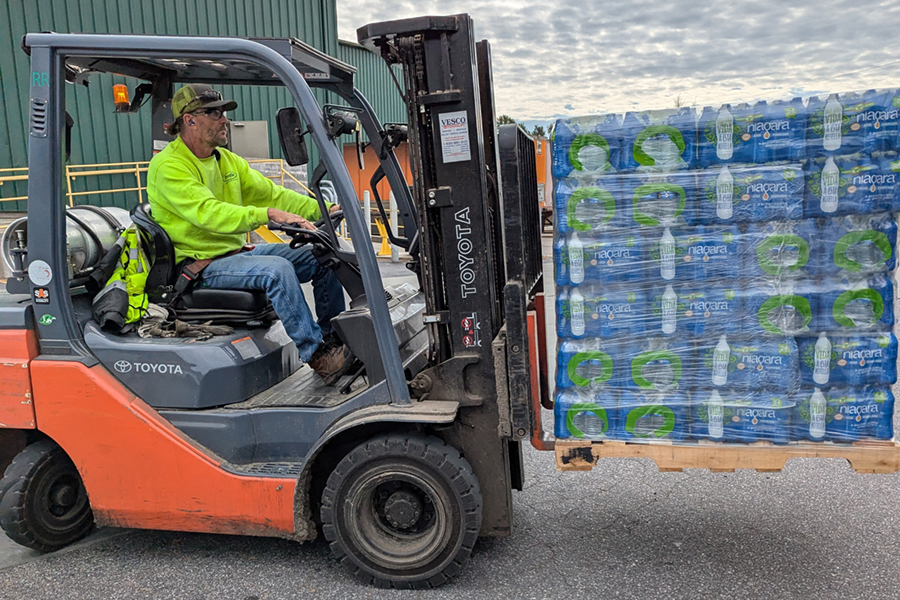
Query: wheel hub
[
  {"x": 64, "y": 495},
  {"x": 402, "y": 510}
]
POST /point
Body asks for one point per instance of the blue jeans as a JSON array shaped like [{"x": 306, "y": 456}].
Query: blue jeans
[{"x": 279, "y": 270}]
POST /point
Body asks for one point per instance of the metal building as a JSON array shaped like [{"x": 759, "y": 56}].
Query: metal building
[{"x": 102, "y": 136}]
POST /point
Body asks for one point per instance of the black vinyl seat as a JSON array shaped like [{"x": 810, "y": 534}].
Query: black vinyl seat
[{"x": 196, "y": 304}]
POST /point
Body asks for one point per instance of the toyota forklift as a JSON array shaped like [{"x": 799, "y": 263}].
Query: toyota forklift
[{"x": 407, "y": 460}]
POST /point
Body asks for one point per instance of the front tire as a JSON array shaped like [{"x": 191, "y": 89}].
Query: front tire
[
  {"x": 43, "y": 503},
  {"x": 402, "y": 511}
]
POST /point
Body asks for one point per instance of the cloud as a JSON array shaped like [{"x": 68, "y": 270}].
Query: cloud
[{"x": 616, "y": 55}]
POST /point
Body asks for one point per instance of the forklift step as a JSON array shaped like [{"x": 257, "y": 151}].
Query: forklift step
[
  {"x": 864, "y": 457},
  {"x": 269, "y": 468}
]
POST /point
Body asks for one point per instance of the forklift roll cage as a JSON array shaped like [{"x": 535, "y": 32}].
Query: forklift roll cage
[{"x": 58, "y": 57}]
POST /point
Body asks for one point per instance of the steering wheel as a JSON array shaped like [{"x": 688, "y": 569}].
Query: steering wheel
[{"x": 336, "y": 218}]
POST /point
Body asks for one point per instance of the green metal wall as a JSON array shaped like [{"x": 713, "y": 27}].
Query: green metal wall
[
  {"x": 374, "y": 81},
  {"x": 100, "y": 135}
]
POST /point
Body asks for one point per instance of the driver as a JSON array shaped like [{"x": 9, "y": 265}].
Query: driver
[{"x": 207, "y": 198}]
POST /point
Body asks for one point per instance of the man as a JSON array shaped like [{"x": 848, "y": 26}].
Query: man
[{"x": 207, "y": 199}]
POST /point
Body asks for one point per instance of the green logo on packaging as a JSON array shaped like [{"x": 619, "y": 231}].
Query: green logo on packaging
[
  {"x": 729, "y": 294},
  {"x": 784, "y": 349},
  {"x": 883, "y": 341},
  {"x": 46, "y": 319},
  {"x": 880, "y": 397},
  {"x": 631, "y": 296},
  {"x": 790, "y": 112}
]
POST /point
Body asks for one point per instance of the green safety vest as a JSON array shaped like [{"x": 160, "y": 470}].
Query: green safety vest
[{"x": 123, "y": 300}]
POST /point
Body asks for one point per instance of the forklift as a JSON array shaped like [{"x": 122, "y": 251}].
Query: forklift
[{"x": 404, "y": 463}]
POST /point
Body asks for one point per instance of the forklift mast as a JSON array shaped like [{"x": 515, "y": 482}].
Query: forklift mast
[{"x": 479, "y": 250}]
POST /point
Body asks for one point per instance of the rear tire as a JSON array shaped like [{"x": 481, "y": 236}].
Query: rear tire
[
  {"x": 43, "y": 503},
  {"x": 402, "y": 511}
]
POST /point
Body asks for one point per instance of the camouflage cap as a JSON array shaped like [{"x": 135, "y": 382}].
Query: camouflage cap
[{"x": 198, "y": 95}]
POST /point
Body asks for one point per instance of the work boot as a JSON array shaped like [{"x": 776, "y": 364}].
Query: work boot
[{"x": 331, "y": 362}]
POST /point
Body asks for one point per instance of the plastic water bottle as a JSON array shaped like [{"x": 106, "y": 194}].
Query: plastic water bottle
[
  {"x": 669, "y": 310},
  {"x": 817, "y": 407},
  {"x": 724, "y": 134},
  {"x": 822, "y": 368},
  {"x": 576, "y": 308},
  {"x": 721, "y": 356},
  {"x": 667, "y": 255},
  {"x": 576, "y": 259},
  {"x": 834, "y": 120},
  {"x": 716, "y": 411},
  {"x": 831, "y": 180},
  {"x": 724, "y": 194}
]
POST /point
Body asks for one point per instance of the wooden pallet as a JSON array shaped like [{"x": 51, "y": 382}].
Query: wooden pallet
[{"x": 864, "y": 457}]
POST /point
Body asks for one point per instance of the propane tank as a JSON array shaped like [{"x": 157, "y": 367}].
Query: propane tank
[{"x": 90, "y": 233}]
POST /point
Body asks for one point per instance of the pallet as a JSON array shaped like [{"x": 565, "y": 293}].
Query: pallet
[{"x": 864, "y": 457}]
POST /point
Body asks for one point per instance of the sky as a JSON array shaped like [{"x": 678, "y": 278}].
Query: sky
[{"x": 598, "y": 56}]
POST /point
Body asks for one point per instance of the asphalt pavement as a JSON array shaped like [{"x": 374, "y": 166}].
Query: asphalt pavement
[{"x": 817, "y": 530}]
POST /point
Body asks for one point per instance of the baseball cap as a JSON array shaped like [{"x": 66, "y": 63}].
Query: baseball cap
[{"x": 198, "y": 95}]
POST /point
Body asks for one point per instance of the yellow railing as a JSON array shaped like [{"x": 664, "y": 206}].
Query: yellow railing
[{"x": 138, "y": 169}]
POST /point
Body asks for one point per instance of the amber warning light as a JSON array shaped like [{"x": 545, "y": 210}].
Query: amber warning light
[{"x": 120, "y": 97}]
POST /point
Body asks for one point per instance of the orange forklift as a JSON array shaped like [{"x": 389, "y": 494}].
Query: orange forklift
[{"x": 406, "y": 461}]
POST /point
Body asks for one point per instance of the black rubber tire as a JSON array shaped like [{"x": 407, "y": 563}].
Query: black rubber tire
[
  {"x": 419, "y": 471},
  {"x": 43, "y": 503}
]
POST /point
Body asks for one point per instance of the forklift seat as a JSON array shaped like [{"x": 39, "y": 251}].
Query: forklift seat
[{"x": 196, "y": 304}]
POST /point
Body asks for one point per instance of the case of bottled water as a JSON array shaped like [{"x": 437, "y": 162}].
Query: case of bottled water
[
  {"x": 587, "y": 206},
  {"x": 843, "y": 414},
  {"x": 857, "y": 305},
  {"x": 648, "y": 415},
  {"x": 860, "y": 360},
  {"x": 655, "y": 199},
  {"x": 595, "y": 311},
  {"x": 592, "y": 364},
  {"x": 754, "y": 193},
  {"x": 614, "y": 256},
  {"x": 723, "y": 137},
  {"x": 581, "y": 414},
  {"x": 659, "y": 364},
  {"x": 858, "y": 245},
  {"x": 660, "y": 141},
  {"x": 743, "y": 363},
  {"x": 742, "y": 417},
  {"x": 586, "y": 146},
  {"x": 780, "y": 250},
  {"x": 836, "y": 123},
  {"x": 785, "y": 308},
  {"x": 727, "y": 273},
  {"x": 843, "y": 185}
]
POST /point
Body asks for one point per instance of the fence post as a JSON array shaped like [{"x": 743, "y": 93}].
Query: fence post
[
  {"x": 367, "y": 210},
  {"x": 395, "y": 251},
  {"x": 137, "y": 175},
  {"x": 69, "y": 186}
]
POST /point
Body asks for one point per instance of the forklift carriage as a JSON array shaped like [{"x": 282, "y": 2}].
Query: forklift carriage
[{"x": 401, "y": 465}]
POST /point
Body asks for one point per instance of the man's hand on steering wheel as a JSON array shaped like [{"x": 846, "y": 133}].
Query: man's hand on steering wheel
[{"x": 286, "y": 218}]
